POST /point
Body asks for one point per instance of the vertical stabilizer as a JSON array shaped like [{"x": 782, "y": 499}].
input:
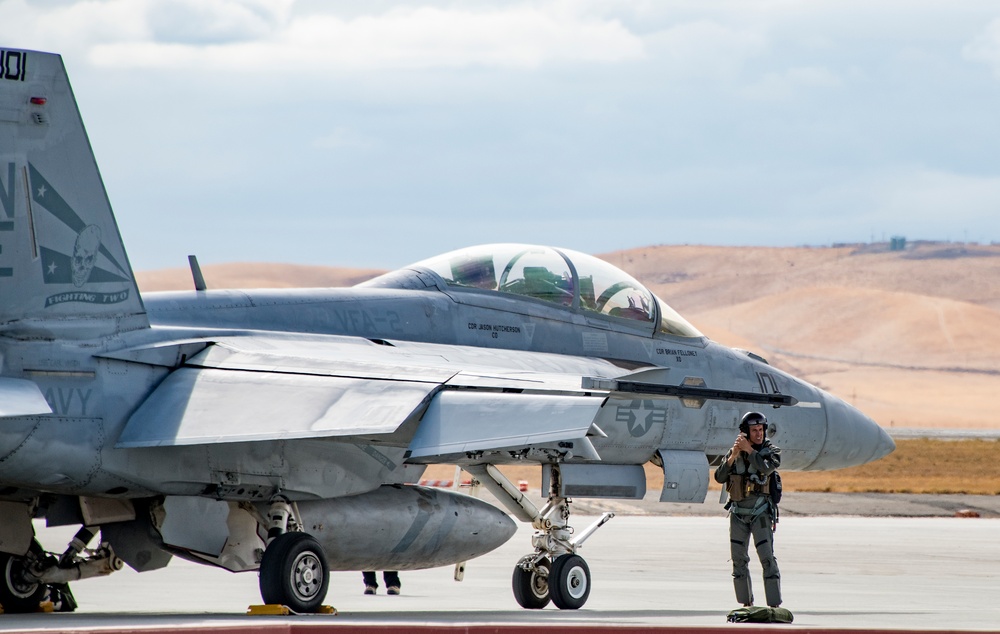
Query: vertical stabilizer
[{"x": 62, "y": 262}]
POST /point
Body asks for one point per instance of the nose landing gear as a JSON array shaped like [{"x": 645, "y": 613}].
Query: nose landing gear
[
  {"x": 566, "y": 580},
  {"x": 554, "y": 571}
]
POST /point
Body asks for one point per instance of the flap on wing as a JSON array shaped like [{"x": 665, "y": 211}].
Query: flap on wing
[
  {"x": 461, "y": 421},
  {"x": 21, "y": 397},
  {"x": 195, "y": 406}
]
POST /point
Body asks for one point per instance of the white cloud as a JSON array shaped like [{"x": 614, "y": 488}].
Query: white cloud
[
  {"x": 259, "y": 36},
  {"x": 985, "y": 47},
  {"x": 71, "y": 28},
  {"x": 705, "y": 49},
  {"x": 790, "y": 122},
  {"x": 214, "y": 21}
]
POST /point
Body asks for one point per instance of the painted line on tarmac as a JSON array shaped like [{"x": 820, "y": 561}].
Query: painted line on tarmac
[{"x": 302, "y": 627}]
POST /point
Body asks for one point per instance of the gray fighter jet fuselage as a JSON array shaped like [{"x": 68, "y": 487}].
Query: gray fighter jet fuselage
[
  {"x": 825, "y": 434},
  {"x": 282, "y": 430}
]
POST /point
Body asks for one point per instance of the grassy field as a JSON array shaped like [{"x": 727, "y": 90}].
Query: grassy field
[{"x": 917, "y": 466}]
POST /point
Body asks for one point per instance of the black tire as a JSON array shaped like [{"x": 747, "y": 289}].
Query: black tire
[
  {"x": 569, "y": 582},
  {"x": 62, "y": 597},
  {"x": 531, "y": 589},
  {"x": 294, "y": 573},
  {"x": 17, "y": 596}
]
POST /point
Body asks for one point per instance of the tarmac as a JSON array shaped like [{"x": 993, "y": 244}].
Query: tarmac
[{"x": 848, "y": 561}]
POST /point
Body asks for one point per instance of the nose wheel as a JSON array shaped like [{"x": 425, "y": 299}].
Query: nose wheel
[
  {"x": 569, "y": 582},
  {"x": 565, "y": 582},
  {"x": 554, "y": 571},
  {"x": 531, "y": 582}
]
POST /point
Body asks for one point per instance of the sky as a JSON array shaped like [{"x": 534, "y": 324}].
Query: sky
[{"x": 375, "y": 134}]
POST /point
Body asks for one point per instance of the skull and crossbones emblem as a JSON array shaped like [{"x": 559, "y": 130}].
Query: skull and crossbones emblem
[{"x": 88, "y": 243}]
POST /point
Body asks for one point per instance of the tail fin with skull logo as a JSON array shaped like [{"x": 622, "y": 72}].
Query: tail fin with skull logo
[{"x": 63, "y": 266}]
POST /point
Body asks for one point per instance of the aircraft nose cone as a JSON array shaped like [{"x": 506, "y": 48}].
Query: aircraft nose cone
[
  {"x": 851, "y": 437},
  {"x": 886, "y": 445}
]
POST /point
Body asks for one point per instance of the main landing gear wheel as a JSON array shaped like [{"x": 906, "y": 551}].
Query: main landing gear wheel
[
  {"x": 17, "y": 595},
  {"x": 531, "y": 589},
  {"x": 569, "y": 582},
  {"x": 294, "y": 572}
]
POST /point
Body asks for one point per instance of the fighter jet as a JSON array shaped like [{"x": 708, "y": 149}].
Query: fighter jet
[{"x": 281, "y": 431}]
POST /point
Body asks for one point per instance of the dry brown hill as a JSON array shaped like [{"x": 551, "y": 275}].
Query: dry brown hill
[
  {"x": 911, "y": 337},
  {"x": 698, "y": 278},
  {"x": 253, "y": 275}
]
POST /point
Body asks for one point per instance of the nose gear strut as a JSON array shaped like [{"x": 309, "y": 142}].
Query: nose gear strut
[{"x": 554, "y": 571}]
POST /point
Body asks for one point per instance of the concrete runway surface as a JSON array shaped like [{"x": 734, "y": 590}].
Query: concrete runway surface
[{"x": 650, "y": 572}]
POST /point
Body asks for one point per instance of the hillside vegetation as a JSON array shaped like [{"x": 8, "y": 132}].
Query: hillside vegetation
[{"x": 917, "y": 466}]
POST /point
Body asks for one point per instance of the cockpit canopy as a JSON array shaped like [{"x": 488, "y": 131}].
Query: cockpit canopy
[{"x": 560, "y": 276}]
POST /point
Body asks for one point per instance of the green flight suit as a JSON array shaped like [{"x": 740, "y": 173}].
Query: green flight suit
[{"x": 751, "y": 515}]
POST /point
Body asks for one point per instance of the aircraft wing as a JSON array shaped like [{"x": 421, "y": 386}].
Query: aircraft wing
[{"x": 254, "y": 388}]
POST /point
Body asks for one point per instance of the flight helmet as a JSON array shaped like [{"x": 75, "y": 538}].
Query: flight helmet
[{"x": 752, "y": 418}]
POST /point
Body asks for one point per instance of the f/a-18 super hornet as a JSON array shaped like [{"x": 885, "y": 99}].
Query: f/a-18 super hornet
[{"x": 281, "y": 431}]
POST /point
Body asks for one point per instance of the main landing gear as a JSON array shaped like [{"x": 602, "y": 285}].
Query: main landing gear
[
  {"x": 293, "y": 570},
  {"x": 554, "y": 572},
  {"x": 37, "y": 576}
]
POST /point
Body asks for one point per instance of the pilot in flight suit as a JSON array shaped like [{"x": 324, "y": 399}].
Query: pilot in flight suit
[{"x": 746, "y": 474}]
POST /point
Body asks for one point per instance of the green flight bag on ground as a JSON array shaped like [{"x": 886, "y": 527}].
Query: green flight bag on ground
[{"x": 760, "y": 614}]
